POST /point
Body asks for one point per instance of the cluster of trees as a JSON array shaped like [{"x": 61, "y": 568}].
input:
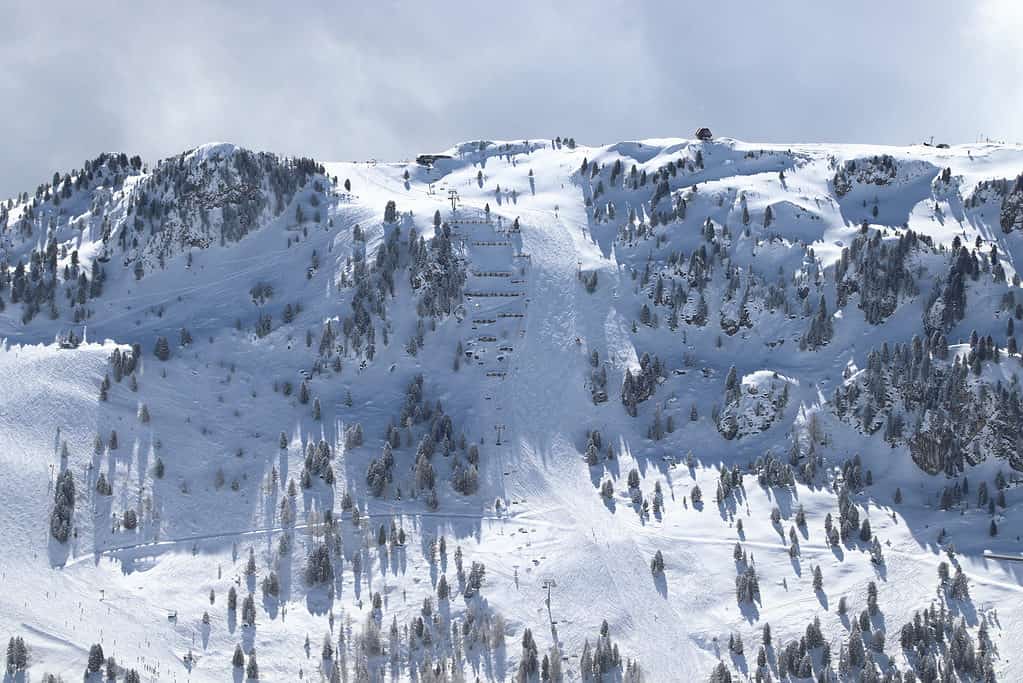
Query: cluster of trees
[
  {"x": 238, "y": 661},
  {"x": 659, "y": 182},
  {"x": 959, "y": 491},
  {"x": 876, "y": 170},
  {"x": 729, "y": 424},
  {"x": 753, "y": 410},
  {"x": 318, "y": 567},
  {"x": 797, "y": 656},
  {"x": 38, "y": 288},
  {"x": 529, "y": 661},
  {"x": 264, "y": 325},
  {"x": 729, "y": 480},
  {"x": 747, "y": 585},
  {"x": 124, "y": 362},
  {"x": 317, "y": 463},
  {"x": 380, "y": 471},
  {"x": 437, "y": 436},
  {"x": 353, "y": 435},
  {"x": 559, "y": 141},
  {"x": 734, "y": 311},
  {"x": 1011, "y": 214},
  {"x": 17, "y": 656},
  {"x": 431, "y": 643},
  {"x": 109, "y": 667},
  {"x": 821, "y": 328},
  {"x": 946, "y": 417},
  {"x": 640, "y": 386},
  {"x": 987, "y": 190},
  {"x": 371, "y": 285},
  {"x": 63, "y": 506},
  {"x": 436, "y": 274},
  {"x": 772, "y": 471},
  {"x": 878, "y": 271},
  {"x": 680, "y": 284},
  {"x": 171, "y": 209},
  {"x": 848, "y": 521},
  {"x": 594, "y": 444},
  {"x": 939, "y": 647},
  {"x": 251, "y": 187},
  {"x": 946, "y": 304},
  {"x": 603, "y": 658}
]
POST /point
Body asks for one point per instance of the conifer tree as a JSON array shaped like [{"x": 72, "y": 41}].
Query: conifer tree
[
  {"x": 252, "y": 669},
  {"x": 162, "y": 348},
  {"x": 96, "y": 658}
]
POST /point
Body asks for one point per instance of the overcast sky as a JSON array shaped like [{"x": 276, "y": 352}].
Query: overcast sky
[{"x": 388, "y": 78}]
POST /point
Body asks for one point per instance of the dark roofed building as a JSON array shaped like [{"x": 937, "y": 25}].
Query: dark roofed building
[{"x": 429, "y": 159}]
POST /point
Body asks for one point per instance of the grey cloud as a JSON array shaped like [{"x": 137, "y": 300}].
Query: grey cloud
[{"x": 389, "y": 79}]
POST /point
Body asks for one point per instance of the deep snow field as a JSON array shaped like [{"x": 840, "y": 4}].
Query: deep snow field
[{"x": 217, "y": 409}]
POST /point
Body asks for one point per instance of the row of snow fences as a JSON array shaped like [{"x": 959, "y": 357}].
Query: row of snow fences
[
  {"x": 491, "y": 273},
  {"x": 470, "y": 295}
]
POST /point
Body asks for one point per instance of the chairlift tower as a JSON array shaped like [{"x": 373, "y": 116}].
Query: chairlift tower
[
  {"x": 499, "y": 428},
  {"x": 549, "y": 583},
  {"x": 453, "y": 196}
]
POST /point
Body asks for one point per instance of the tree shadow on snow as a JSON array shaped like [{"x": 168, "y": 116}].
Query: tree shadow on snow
[
  {"x": 271, "y": 605},
  {"x": 58, "y": 552},
  {"x": 739, "y": 662},
  {"x": 750, "y": 611},
  {"x": 319, "y": 600},
  {"x": 661, "y": 584},
  {"x": 609, "y": 503}
]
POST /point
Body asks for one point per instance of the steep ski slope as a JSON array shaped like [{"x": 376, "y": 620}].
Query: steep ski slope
[{"x": 529, "y": 229}]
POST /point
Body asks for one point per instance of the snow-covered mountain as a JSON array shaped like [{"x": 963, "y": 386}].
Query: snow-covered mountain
[{"x": 669, "y": 410}]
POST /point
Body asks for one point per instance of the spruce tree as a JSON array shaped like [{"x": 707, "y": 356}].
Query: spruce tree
[
  {"x": 96, "y": 658},
  {"x": 657, "y": 563},
  {"x": 162, "y": 348},
  {"x": 252, "y": 670},
  {"x": 249, "y": 610}
]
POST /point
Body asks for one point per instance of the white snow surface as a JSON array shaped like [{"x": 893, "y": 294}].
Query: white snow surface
[{"x": 214, "y": 409}]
